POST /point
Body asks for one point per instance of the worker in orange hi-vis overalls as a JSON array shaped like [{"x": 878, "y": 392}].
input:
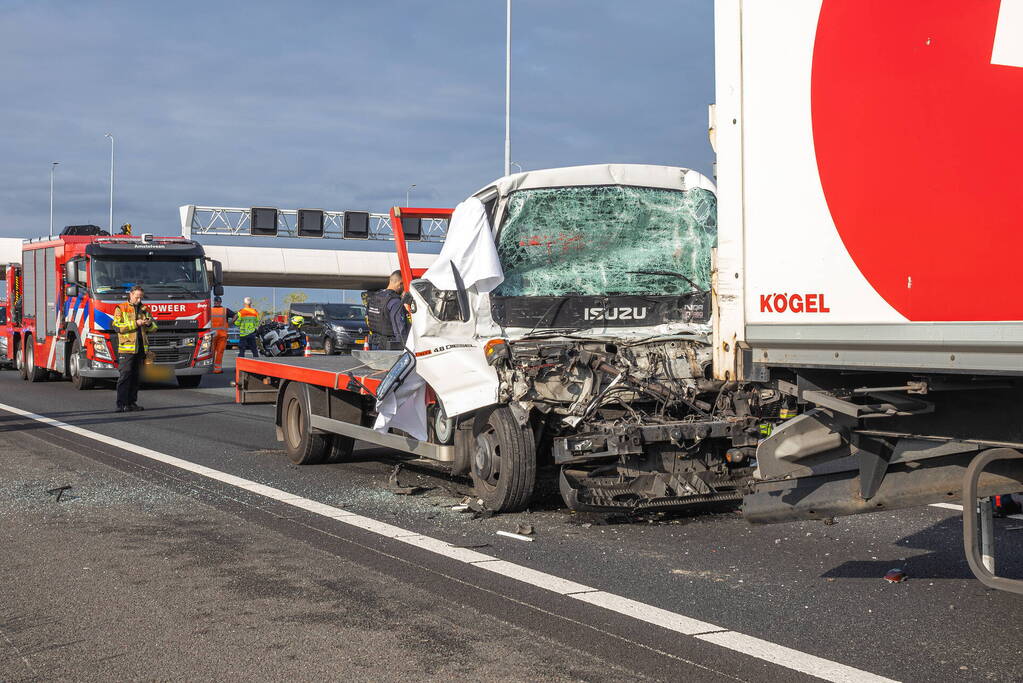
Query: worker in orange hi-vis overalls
[{"x": 218, "y": 322}]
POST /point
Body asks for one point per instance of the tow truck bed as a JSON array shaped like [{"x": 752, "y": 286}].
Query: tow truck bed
[
  {"x": 333, "y": 372},
  {"x": 332, "y": 394}
]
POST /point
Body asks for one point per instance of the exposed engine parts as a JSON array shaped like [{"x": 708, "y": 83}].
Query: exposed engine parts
[{"x": 635, "y": 426}]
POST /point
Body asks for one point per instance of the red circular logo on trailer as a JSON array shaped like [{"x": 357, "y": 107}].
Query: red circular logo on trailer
[{"x": 919, "y": 144}]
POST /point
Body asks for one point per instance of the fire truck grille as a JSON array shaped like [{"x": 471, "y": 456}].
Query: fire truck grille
[{"x": 169, "y": 348}]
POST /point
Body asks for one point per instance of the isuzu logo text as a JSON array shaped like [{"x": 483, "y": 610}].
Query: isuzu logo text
[
  {"x": 624, "y": 313},
  {"x": 793, "y": 303}
]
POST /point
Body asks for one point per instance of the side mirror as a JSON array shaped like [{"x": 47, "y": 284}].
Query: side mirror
[
  {"x": 70, "y": 290},
  {"x": 218, "y": 290},
  {"x": 397, "y": 375},
  {"x": 461, "y": 295}
]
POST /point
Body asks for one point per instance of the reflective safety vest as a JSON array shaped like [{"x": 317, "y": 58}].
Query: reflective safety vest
[
  {"x": 247, "y": 321},
  {"x": 218, "y": 320},
  {"x": 127, "y": 329}
]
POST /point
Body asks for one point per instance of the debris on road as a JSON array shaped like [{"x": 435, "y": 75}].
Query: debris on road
[
  {"x": 461, "y": 507},
  {"x": 518, "y": 537},
  {"x": 524, "y": 529},
  {"x": 896, "y": 576},
  {"x": 59, "y": 491},
  {"x": 480, "y": 509},
  {"x": 395, "y": 487}
]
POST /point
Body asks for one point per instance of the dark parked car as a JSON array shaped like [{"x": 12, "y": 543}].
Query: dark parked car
[
  {"x": 232, "y": 337},
  {"x": 334, "y": 328}
]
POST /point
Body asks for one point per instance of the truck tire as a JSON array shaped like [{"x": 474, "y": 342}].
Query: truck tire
[
  {"x": 302, "y": 444},
  {"x": 189, "y": 381},
  {"x": 442, "y": 427},
  {"x": 19, "y": 359},
  {"x": 74, "y": 368},
  {"x": 33, "y": 373},
  {"x": 341, "y": 448},
  {"x": 504, "y": 463}
]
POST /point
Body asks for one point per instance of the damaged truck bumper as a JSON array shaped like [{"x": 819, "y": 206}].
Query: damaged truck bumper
[{"x": 639, "y": 468}]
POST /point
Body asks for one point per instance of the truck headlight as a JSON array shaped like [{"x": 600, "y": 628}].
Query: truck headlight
[
  {"x": 205, "y": 344},
  {"x": 99, "y": 346}
]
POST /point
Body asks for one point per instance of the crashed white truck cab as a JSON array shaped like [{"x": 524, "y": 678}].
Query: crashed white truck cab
[{"x": 565, "y": 331}]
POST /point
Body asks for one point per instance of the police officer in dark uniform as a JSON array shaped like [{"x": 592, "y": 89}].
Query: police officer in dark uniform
[{"x": 388, "y": 323}]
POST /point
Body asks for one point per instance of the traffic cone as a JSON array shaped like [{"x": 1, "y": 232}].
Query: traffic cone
[{"x": 308, "y": 351}]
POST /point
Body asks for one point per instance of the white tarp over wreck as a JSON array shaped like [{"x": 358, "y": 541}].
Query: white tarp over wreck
[{"x": 469, "y": 247}]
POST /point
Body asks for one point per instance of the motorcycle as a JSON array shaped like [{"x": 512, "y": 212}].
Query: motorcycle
[{"x": 278, "y": 339}]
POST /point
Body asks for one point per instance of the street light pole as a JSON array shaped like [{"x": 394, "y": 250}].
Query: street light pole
[
  {"x": 53, "y": 167},
  {"x": 408, "y": 192},
  {"x": 517, "y": 165},
  {"x": 507, "y": 94},
  {"x": 111, "y": 228}
]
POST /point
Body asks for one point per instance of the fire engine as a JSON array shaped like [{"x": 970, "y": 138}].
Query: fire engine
[{"x": 61, "y": 299}]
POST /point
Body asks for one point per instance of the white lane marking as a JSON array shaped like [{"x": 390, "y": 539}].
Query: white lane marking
[
  {"x": 1008, "y": 46},
  {"x": 954, "y": 506},
  {"x": 555, "y": 584},
  {"x": 754, "y": 647},
  {"x": 648, "y": 613},
  {"x": 446, "y": 549},
  {"x": 787, "y": 657}
]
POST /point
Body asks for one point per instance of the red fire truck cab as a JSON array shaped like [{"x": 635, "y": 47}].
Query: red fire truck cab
[{"x": 62, "y": 297}]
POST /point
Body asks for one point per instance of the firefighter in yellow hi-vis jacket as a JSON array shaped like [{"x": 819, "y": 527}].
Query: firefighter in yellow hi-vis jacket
[{"x": 133, "y": 320}]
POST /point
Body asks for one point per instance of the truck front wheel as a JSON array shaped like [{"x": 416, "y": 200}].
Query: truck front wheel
[
  {"x": 504, "y": 463},
  {"x": 302, "y": 444},
  {"x": 74, "y": 367}
]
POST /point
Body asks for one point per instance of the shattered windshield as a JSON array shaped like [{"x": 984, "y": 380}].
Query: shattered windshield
[
  {"x": 182, "y": 278},
  {"x": 607, "y": 240}
]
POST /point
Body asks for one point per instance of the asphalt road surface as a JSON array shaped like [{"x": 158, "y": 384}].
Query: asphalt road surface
[{"x": 187, "y": 546}]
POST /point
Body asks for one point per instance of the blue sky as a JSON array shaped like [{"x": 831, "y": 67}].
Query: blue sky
[{"x": 339, "y": 105}]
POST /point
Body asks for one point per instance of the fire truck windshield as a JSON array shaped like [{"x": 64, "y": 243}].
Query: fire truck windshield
[{"x": 165, "y": 278}]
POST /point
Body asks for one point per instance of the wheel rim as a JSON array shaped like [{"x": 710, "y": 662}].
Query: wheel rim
[
  {"x": 19, "y": 359},
  {"x": 294, "y": 422},
  {"x": 487, "y": 461},
  {"x": 75, "y": 365},
  {"x": 31, "y": 357},
  {"x": 442, "y": 426},
  {"x": 328, "y": 346}
]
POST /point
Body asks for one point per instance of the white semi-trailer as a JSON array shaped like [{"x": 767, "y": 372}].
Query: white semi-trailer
[{"x": 868, "y": 248}]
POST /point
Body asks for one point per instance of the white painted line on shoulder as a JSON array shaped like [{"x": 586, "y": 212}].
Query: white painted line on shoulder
[
  {"x": 787, "y": 657},
  {"x": 319, "y": 508},
  {"x": 555, "y": 584},
  {"x": 754, "y": 647},
  {"x": 435, "y": 545},
  {"x": 648, "y": 613}
]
